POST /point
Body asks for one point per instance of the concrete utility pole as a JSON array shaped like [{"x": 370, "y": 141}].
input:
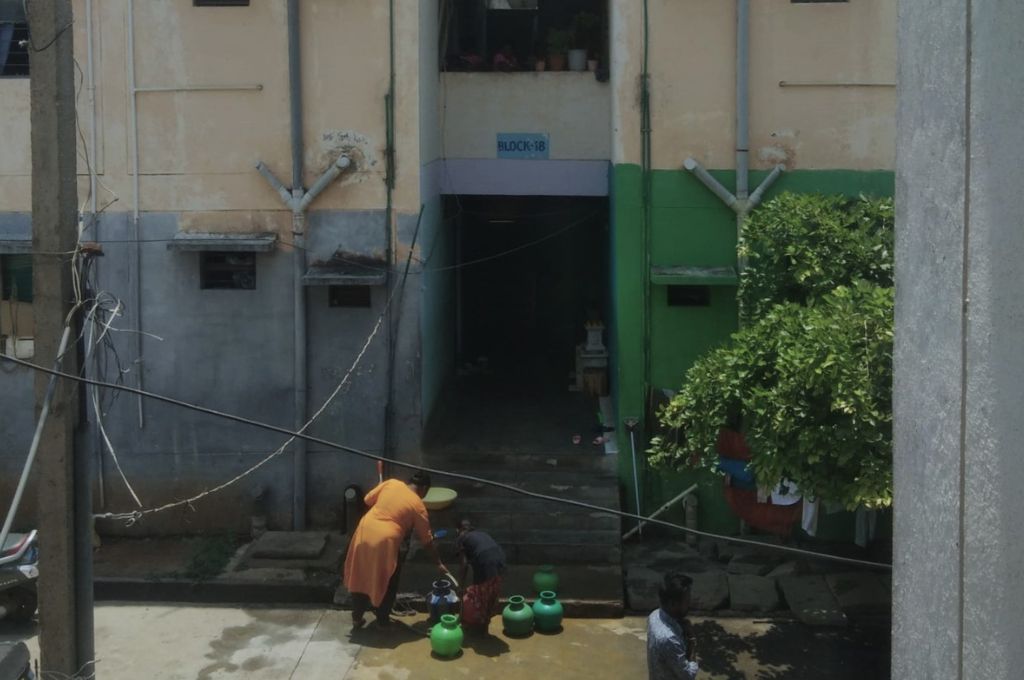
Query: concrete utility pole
[
  {"x": 65, "y": 593},
  {"x": 959, "y": 369}
]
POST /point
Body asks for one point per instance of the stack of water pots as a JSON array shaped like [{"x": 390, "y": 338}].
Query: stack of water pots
[
  {"x": 544, "y": 615},
  {"x": 519, "y": 618}
]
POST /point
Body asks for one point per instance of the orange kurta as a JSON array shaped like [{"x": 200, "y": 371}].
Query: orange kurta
[{"x": 394, "y": 510}]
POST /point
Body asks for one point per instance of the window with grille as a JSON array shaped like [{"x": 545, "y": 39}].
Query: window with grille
[
  {"x": 13, "y": 49},
  {"x": 689, "y": 296},
  {"x": 16, "y": 278},
  {"x": 348, "y": 296},
  {"x": 522, "y": 35},
  {"x": 227, "y": 271}
]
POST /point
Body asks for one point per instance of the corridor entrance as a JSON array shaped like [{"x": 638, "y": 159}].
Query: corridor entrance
[
  {"x": 529, "y": 275},
  {"x": 532, "y": 272}
]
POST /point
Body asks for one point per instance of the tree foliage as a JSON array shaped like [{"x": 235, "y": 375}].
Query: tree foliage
[
  {"x": 810, "y": 374},
  {"x": 800, "y": 247}
]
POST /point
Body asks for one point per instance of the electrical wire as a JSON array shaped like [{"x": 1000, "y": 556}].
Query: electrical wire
[
  {"x": 132, "y": 517},
  {"x": 92, "y": 320},
  {"x": 369, "y": 267},
  {"x": 433, "y": 471},
  {"x": 78, "y": 675},
  {"x": 31, "y": 41}
]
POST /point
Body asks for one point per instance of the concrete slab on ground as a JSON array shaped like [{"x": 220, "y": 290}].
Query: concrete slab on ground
[
  {"x": 144, "y": 557},
  {"x": 289, "y": 545},
  {"x": 160, "y": 570},
  {"x": 642, "y": 584},
  {"x": 786, "y": 569},
  {"x": 325, "y": 552},
  {"x": 860, "y": 592},
  {"x": 665, "y": 556},
  {"x": 183, "y": 643},
  {"x": 758, "y": 564},
  {"x": 748, "y": 592},
  {"x": 160, "y": 642},
  {"x": 811, "y": 600},
  {"x": 710, "y": 591}
]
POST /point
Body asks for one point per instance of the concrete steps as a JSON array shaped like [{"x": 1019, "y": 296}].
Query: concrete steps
[
  {"x": 506, "y": 514},
  {"x": 535, "y": 461},
  {"x": 533, "y": 530}
]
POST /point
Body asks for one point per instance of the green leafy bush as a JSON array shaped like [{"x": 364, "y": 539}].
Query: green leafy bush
[
  {"x": 800, "y": 247},
  {"x": 810, "y": 375}
]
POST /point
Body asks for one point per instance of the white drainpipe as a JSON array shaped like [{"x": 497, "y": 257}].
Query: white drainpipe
[
  {"x": 742, "y": 202},
  {"x": 137, "y": 297}
]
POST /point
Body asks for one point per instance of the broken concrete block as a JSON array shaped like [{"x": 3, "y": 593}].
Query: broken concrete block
[
  {"x": 748, "y": 592},
  {"x": 708, "y": 550},
  {"x": 642, "y": 586},
  {"x": 810, "y": 598},
  {"x": 786, "y": 569},
  {"x": 710, "y": 590},
  {"x": 290, "y": 545},
  {"x": 757, "y": 564},
  {"x": 726, "y": 551},
  {"x": 860, "y": 592},
  {"x": 342, "y": 598}
]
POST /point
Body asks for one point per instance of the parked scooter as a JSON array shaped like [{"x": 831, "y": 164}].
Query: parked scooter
[
  {"x": 19, "y": 572},
  {"x": 15, "y": 662}
]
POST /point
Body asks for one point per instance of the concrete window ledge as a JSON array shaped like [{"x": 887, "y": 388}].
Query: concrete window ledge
[{"x": 235, "y": 243}]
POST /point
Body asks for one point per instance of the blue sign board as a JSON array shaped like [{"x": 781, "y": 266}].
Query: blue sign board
[{"x": 523, "y": 145}]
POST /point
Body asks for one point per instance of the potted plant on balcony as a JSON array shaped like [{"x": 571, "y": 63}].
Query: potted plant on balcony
[
  {"x": 585, "y": 32},
  {"x": 558, "y": 44}
]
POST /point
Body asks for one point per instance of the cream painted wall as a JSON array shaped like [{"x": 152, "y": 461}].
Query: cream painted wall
[
  {"x": 15, "y": 148},
  {"x": 573, "y": 108},
  {"x": 692, "y": 57},
  {"x": 430, "y": 83},
  {"x": 197, "y": 149}
]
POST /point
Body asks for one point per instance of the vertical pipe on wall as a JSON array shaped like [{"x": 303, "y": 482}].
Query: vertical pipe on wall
[
  {"x": 742, "y": 116},
  {"x": 136, "y": 209},
  {"x": 389, "y": 127},
  {"x": 647, "y": 205},
  {"x": 299, "y": 257},
  {"x": 295, "y": 92},
  {"x": 90, "y": 79},
  {"x": 33, "y": 449}
]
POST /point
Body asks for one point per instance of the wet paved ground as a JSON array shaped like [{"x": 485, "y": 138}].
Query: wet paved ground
[{"x": 166, "y": 642}]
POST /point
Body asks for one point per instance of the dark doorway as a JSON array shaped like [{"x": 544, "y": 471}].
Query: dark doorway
[{"x": 531, "y": 272}]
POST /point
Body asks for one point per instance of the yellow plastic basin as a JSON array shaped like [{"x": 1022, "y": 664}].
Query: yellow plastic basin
[{"x": 439, "y": 498}]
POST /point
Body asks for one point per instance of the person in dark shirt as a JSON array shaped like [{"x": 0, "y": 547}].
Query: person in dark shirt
[
  {"x": 480, "y": 600},
  {"x": 671, "y": 643}
]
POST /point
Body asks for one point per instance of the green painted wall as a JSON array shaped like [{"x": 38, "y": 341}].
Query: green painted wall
[{"x": 689, "y": 226}]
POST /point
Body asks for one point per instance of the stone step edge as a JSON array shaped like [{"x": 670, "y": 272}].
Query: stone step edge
[
  {"x": 573, "y": 608},
  {"x": 113, "y": 589}
]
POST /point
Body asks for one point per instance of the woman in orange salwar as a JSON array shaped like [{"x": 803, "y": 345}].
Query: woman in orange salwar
[{"x": 374, "y": 560}]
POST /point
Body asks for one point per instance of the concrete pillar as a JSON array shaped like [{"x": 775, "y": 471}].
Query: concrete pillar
[
  {"x": 959, "y": 359},
  {"x": 65, "y": 577}
]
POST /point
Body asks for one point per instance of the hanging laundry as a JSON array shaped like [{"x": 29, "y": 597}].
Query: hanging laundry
[
  {"x": 866, "y": 524},
  {"x": 809, "y": 520},
  {"x": 786, "y": 493}
]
